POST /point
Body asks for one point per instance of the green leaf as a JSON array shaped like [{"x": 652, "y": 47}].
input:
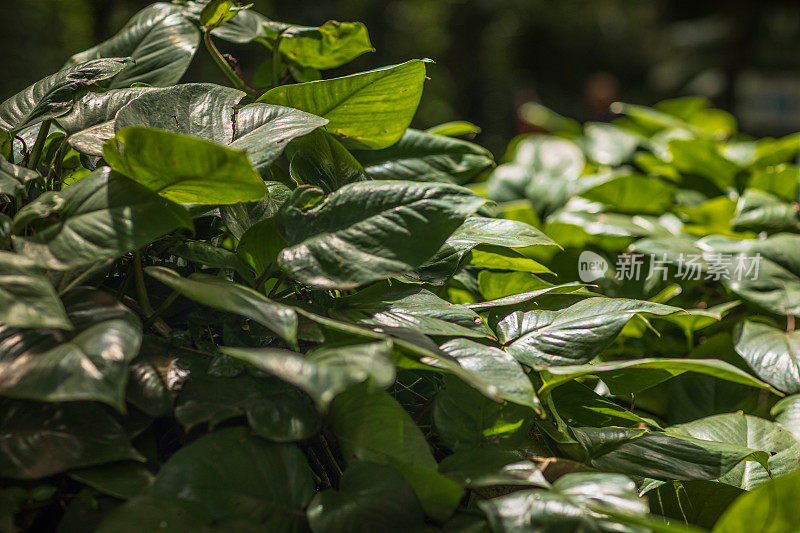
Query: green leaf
[
  {"x": 629, "y": 193},
  {"x": 465, "y": 419},
  {"x": 749, "y": 432},
  {"x": 160, "y": 41},
  {"x": 661, "y": 455},
  {"x": 370, "y": 222},
  {"x": 772, "y": 353},
  {"x": 522, "y": 297},
  {"x": 703, "y": 158},
  {"x": 371, "y": 109},
  {"x": 239, "y": 218},
  {"x": 27, "y": 299},
  {"x": 328, "y": 46},
  {"x": 274, "y": 410},
  {"x": 496, "y": 367},
  {"x": 370, "y": 496},
  {"x": 488, "y": 467},
  {"x": 780, "y": 180},
  {"x": 636, "y": 375},
  {"x": 90, "y": 364},
  {"x": 759, "y": 210},
  {"x": 260, "y": 245},
  {"x": 41, "y": 439},
  {"x": 609, "y": 144},
  {"x": 372, "y": 426},
  {"x": 422, "y": 156},
  {"x": 214, "y": 113},
  {"x": 218, "y": 12},
  {"x": 456, "y": 128},
  {"x": 576, "y": 502},
  {"x": 320, "y": 160},
  {"x": 573, "y": 335},
  {"x": 102, "y": 216},
  {"x": 14, "y": 178},
  {"x": 124, "y": 480},
  {"x": 54, "y": 95},
  {"x": 773, "y": 506},
  {"x": 325, "y": 371},
  {"x": 412, "y": 308},
  {"x": 182, "y": 168},
  {"x": 226, "y": 296},
  {"x": 228, "y": 475},
  {"x": 497, "y": 258}
]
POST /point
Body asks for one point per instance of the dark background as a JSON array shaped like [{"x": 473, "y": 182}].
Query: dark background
[{"x": 491, "y": 55}]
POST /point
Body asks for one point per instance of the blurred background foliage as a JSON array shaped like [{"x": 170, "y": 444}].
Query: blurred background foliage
[{"x": 575, "y": 56}]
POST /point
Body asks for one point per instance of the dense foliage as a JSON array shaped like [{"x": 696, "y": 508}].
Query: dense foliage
[{"x": 278, "y": 309}]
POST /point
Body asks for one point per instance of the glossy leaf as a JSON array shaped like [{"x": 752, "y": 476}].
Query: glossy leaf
[
  {"x": 772, "y": 354},
  {"x": 227, "y": 296},
  {"x": 160, "y": 41},
  {"x": 200, "y": 172},
  {"x": 371, "y": 109},
  {"x": 27, "y": 298},
  {"x": 104, "y": 215},
  {"x": 574, "y": 335},
  {"x": 369, "y": 222},
  {"x": 54, "y": 95}
]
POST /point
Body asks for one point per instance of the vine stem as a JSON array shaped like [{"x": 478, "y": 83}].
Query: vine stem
[
  {"x": 222, "y": 63},
  {"x": 36, "y": 151},
  {"x": 141, "y": 290},
  {"x": 276, "y": 60}
]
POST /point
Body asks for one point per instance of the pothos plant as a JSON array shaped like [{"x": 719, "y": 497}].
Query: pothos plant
[{"x": 274, "y": 306}]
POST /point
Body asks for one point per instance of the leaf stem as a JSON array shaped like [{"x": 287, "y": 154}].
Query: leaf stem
[
  {"x": 38, "y": 146},
  {"x": 160, "y": 309},
  {"x": 276, "y": 60},
  {"x": 141, "y": 290},
  {"x": 222, "y": 63}
]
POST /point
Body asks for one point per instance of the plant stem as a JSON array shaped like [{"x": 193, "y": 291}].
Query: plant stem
[
  {"x": 276, "y": 60},
  {"x": 160, "y": 309},
  {"x": 222, "y": 63},
  {"x": 36, "y": 151},
  {"x": 141, "y": 290}
]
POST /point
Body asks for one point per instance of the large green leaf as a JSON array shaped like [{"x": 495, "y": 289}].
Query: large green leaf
[
  {"x": 215, "y": 113},
  {"x": 749, "y": 432},
  {"x": 14, "y": 178},
  {"x": 226, "y": 296},
  {"x": 773, "y": 507},
  {"x": 772, "y": 353},
  {"x": 464, "y": 419},
  {"x": 370, "y": 497},
  {"x": 55, "y": 94},
  {"x": 496, "y": 367},
  {"x": 576, "y": 502},
  {"x": 488, "y": 467},
  {"x": 27, "y": 298},
  {"x": 360, "y": 233},
  {"x": 182, "y": 168},
  {"x": 91, "y": 363},
  {"x": 662, "y": 455},
  {"x": 629, "y": 193},
  {"x": 327, "y": 370},
  {"x": 421, "y": 156},
  {"x": 371, "y": 109},
  {"x": 573, "y": 335},
  {"x": 320, "y": 160},
  {"x": 372, "y": 426},
  {"x": 703, "y": 158},
  {"x": 160, "y": 41},
  {"x": 102, "y": 216},
  {"x": 274, "y": 410},
  {"x": 324, "y": 47},
  {"x": 700, "y": 503},
  {"x": 41, "y": 439},
  {"x": 473, "y": 232},
  {"x": 228, "y": 475},
  {"x": 636, "y": 375},
  {"x": 413, "y": 308}
]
